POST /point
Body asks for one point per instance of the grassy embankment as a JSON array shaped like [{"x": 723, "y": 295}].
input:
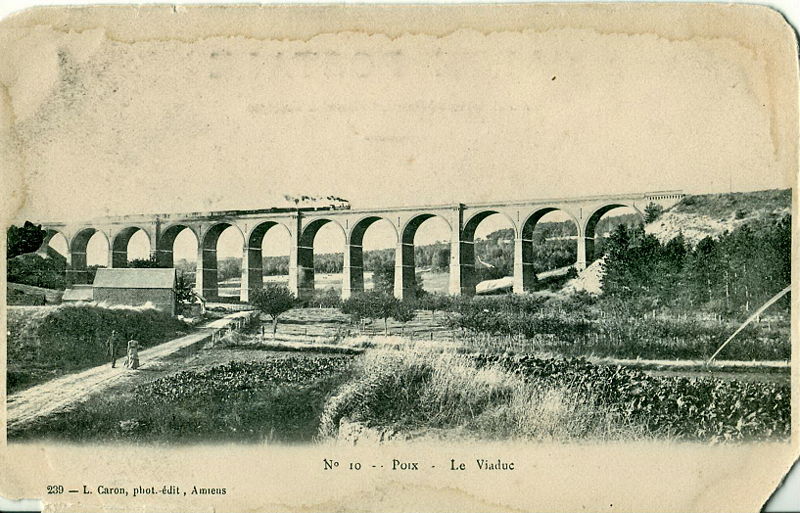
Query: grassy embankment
[{"x": 46, "y": 342}]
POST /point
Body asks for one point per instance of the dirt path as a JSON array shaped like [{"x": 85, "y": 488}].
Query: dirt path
[{"x": 58, "y": 394}]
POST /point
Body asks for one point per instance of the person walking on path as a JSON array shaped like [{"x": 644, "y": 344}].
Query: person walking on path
[
  {"x": 111, "y": 348},
  {"x": 133, "y": 355}
]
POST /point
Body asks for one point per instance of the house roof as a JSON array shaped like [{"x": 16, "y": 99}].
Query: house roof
[
  {"x": 135, "y": 278},
  {"x": 78, "y": 294}
]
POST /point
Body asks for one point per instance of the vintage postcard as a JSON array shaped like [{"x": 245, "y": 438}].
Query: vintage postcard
[{"x": 398, "y": 258}]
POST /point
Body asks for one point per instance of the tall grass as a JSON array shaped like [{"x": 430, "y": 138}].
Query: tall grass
[
  {"x": 411, "y": 390},
  {"x": 551, "y": 399}
]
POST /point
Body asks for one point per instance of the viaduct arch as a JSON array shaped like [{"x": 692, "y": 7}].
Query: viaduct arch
[
  {"x": 353, "y": 270},
  {"x": 303, "y": 224}
]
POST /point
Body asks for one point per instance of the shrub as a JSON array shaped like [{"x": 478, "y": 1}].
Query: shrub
[
  {"x": 652, "y": 212},
  {"x": 77, "y": 334},
  {"x": 69, "y": 338},
  {"x": 32, "y": 269}
]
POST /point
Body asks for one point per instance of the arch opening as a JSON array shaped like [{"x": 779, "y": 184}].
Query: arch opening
[
  {"x": 487, "y": 253},
  {"x": 603, "y": 221},
  {"x": 177, "y": 248},
  {"x": 221, "y": 262},
  {"x": 266, "y": 257},
  {"x": 425, "y": 242},
  {"x": 320, "y": 258},
  {"x": 89, "y": 250},
  {"x": 550, "y": 248},
  {"x": 57, "y": 241},
  {"x": 369, "y": 263},
  {"x": 130, "y": 244}
]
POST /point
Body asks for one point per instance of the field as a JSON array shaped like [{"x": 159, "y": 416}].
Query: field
[{"x": 323, "y": 377}]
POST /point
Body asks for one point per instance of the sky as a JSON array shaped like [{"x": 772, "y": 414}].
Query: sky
[{"x": 112, "y": 127}]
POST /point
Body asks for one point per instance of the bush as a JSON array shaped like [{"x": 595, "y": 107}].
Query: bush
[
  {"x": 76, "y": 334},
  {"x": 70, "y": 338},
  {"x": 652, "y": 212},
  {"x": 32, "y": 269}
]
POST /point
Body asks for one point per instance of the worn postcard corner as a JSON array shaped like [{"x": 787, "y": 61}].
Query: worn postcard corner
[{"x": 399, "y": 258}]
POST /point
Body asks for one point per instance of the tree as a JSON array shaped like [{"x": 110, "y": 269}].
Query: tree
[
  {"x": 383, "y": 280},
  {"x": 183, "y": 289},
  {"x": 375, "y": 304},
  {"x": 434, "y": 303},
  {"x": 403, "y": 312},
  {"x": 358, "y": 306},
  {"x": 652, "y": 212},
  {"x": 615, "y": 268},
  {"x": 441, "y": 259},
  {"x": 383, "y": 277},
  {"x": 24, "y": 239},
  {"x": 273, "y": 300},
  {"x": 144, "y": 263},
  {"x": 381, "y": 305}
]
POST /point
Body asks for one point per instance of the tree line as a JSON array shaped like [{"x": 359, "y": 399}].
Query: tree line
[{"x": 735, "y": 272}]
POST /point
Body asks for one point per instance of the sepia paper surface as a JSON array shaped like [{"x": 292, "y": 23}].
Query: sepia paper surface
[{"x": 115, "y": 110}]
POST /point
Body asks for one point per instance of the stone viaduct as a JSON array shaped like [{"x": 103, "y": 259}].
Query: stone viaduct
[{"x": 302, "y": 225}]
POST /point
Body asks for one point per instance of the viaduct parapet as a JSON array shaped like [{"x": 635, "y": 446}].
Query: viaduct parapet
[{"x": 302, "y": 226}]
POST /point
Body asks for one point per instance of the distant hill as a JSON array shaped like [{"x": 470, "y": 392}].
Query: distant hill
[{"x": 700, "y": 216}]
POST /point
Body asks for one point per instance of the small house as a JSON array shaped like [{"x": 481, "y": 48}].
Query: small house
[{"x": 136, "y": 287}]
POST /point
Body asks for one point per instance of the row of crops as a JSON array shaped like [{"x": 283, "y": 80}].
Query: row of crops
[
  {"x": 675, "y": 406},
  {"x": 224, "y": 381}
]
